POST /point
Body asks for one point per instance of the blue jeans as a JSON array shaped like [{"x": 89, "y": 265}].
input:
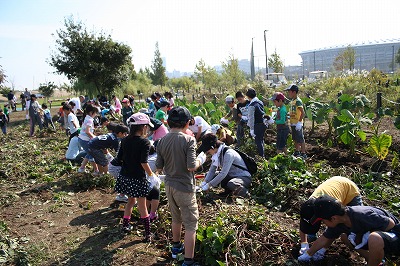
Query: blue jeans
[
  {"x": 85, "y": 146},
  {"x": 4, "y": 129},
  {"x": 259, "y": 131},
  {"x": 240, "y": 133}
]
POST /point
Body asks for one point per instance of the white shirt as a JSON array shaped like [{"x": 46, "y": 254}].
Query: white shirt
[
  {"x": 77, "y": 103},
  {"x": 73, "y": 149},
  {"x": 71, "y": 119},
  {"x": 199, "y": 122}
]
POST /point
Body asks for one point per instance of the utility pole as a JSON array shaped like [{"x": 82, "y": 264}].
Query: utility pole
[{"x": 266, "y": 56}]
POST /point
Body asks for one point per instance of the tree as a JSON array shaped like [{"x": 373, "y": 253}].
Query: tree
[
  {"x": 91, "y": 58},
  {"x": 232, "y": 76},
  {"x": 206, "y": 74},
  {"x": 157, "y": 73},
  {"x": 397, "y": 60},
  {"x": 275, "y": 62},
  {"x": 345, "y": 59},
  {"x": 2, "y": 76},
  {"x": 47, "y": 89}
]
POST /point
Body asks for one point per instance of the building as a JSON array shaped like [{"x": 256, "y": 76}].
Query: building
[{"x": 378, "y": 54}]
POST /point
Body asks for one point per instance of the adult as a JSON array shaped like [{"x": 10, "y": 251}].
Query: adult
[
  {"x": 342, "y": 189},
  {"x": 34, "y": 115},
  {"x": 234, "y": 176},
  {"x": 199, "y": 127},
  {"x": 242, "y": 113},
  {"x": 372, "y": 231},
  {"x": 11, "y": 100},
  {"x": 256, "y": 120},
  {"x": 233, "y": 111}
]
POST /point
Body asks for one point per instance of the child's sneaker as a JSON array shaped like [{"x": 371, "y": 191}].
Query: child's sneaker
[
  {"x": 177, "y": 250},
  {"x": 153, "y": 217},
  {"x": 81, "y": 170},
  {"x": 304, "y": 156},
  {"x": 122, "y": 198},
  {"x": 296, "y": 154},
  {"x": 192, "y": 264}
]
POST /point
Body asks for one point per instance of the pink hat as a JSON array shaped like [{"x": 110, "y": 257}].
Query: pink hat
[
  {"x": 139, "y": 119},
  {"x": 125, "y": 100}
]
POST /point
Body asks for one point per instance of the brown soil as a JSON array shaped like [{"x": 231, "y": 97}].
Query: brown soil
[{"x": 83, "y": 228}]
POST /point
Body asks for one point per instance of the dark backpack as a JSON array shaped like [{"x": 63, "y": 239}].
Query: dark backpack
[{"x": 250, "y": 163}]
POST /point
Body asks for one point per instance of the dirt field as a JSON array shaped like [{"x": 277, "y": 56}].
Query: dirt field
[{"x": 52, "y": 221}]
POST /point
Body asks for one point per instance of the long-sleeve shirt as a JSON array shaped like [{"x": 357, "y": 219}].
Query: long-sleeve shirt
[
  {"x": 228, "y": 162},
  {"x": 256, "y": 113}
]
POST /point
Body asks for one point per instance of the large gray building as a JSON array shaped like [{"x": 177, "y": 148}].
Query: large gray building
[{"x": 378, "y": 54}]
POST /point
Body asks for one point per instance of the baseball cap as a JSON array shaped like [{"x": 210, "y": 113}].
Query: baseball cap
[
  {"x": 207, "y": 142},
  {"x": 306, "y": 213},
  {"x": 277, "y": 96},
  {"x": 178, "y": 114},
  {"x": 229, "y": 99},
  {"x": 139, "y": 119},
  {"x": 325, "y": 207},
  {"x": 292, "y": 87},
  {"x": 125, "y": 100},
  {"x": 33, "y": 95}
]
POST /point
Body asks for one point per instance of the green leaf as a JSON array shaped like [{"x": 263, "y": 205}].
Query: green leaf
[
  {"x": 362, "y": 135},
  {"x": 379, "y": 146}
]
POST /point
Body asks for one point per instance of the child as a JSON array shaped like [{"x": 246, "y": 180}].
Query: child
[
  {"x": 47, "y": 120},
  {"x": 161, "y": 114},
  {"x": 6, "y": 112},
  {"x": 297, "y": 115},
  {"x": 34, "y": 115},
  {"x": 72, "y": 124},
  {"x": 280, "y": 121},
  {"x": 242, "y": 113},
  {"x": 132, "y": 181},
  {"x": 86, "y": 134},
  {"x": 158, "y": 131},
  {"x": 176, "y": 156},
  {"x": 3, "y": 122},
  {"x": 127, "y": 110},
  {"x": 223, "y": 134},
  {"x": 98, "y": 146},
  {"x": 60, "y": 114}
]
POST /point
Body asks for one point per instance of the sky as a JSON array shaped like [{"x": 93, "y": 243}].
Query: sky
[{"x": 188, "y": 31}]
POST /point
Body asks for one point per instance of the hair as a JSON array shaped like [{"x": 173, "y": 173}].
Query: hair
[
  {"x": 157, "y": 94},
  {"x": 91, "y": 109},
  {"x": 67, "y": 107},
  {"x": 111, "y": 127},
  {"x": 212, "y": 138},
  {"x": 44, "y": 106},
  {"x": 120, "y": 129},
  {"x": 62, "y": 103},
  {"x": 133, "y": 129},
  {"x": 112, "y": 96},
  {"x": 251, "y": 93},
  {"x": 176, "y": 124},
  {"x": 239, "y": 94},
  {"x": 72, "y": 104},
  {"x": 153, "y": 96},
  {"x": 103, "y": 119},
  {"x": 152, "y": 150}
]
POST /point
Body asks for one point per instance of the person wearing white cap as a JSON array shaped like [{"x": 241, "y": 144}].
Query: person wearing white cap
[{"x": 199, "y": 126}]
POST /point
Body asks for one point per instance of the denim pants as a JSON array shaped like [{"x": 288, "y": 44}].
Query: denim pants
[
  {"x": 259, "y": 131},
  {"x": 240, "y": 133}
]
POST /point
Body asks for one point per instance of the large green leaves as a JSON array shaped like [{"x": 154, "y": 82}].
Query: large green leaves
[{"x": 379, "y": 145}]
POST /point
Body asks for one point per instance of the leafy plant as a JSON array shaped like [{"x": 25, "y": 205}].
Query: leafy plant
[{"x": 379, "y": 144}]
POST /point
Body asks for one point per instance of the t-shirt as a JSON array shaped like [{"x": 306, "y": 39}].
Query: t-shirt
[
  {"x": 133, "y": 152},
  {"x": 363, "y": 219},
  {"x": 34, "y": 108},
  {"x": 295, "y": 113},
  {"x": 243, "y": 108},
  {"x": 3, "y": 120},
  {"x": 118, "y": 105},
  {"x": 87, "y": 123},
  {"x": 77, "y": 103},
  {"x": 199, "y": 122},
  {"x": 281, "y": 115},
  {"x": 161, "y": 115},
  {"x": 160, "y": 132},
  {"x": 73, "y": 149},
  {"x": 107, "y": 141},
  {"x": 176, "y": 152},
  {"x": 338, "y": 187}
]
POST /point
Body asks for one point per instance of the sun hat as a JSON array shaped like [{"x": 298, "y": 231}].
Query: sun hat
[
  {"x": 139, "y": 119},
  {"x": 125, "y": 100},
  {"x": 277, "y": 96},
  {"x": 179, "y": 114}
]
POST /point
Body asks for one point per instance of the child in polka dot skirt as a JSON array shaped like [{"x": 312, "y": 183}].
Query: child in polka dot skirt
[{"x": 133, "y": 155}]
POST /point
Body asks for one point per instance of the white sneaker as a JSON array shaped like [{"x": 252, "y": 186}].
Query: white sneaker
[
  {"x": 81, "y": 170},
  {"x": 122, "y": 198}
]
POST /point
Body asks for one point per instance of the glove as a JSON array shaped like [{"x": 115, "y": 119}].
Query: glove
[
  {"x": 205, "y": 187},
  {"x": 270, "y": 121},
  {"x": 203, "y": 183},
  {"x": 319, "y": 255},
  {"x": 252, "y": 133},
  {"x": 299, "y": 126},
  {"x": 109, "y": 157},
  {"x": 244, "y": 118},
  {"x": 304, "y": 258},
  {"x": 201, "y": 157},
  {"x": 352, "y": 239},
  {"x": 224, "y": 121},
  {"x": 154, "y": 181},
  {"x": 303, "y": 248},
  {"x": 364, "y": 241}
]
